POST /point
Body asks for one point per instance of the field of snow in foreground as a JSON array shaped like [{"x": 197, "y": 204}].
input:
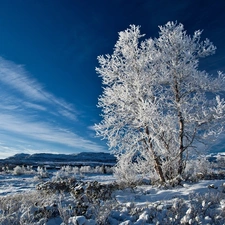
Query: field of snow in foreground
[{"x": 202, "y": 202}]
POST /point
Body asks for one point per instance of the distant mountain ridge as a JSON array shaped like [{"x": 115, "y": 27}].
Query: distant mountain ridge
[
  {"x": 43, "y": 158},
  {"x": 84, "y": 158}
]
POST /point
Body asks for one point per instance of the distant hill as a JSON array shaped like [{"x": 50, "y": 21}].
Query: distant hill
[
  {"x": 46, "y": 158},
  {"x": 84, "y": 158}
]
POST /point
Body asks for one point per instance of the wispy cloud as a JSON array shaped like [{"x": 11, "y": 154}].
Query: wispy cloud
[
  {"x": 16, "y": 78},
  {"x": 34, "y": 106},
  {"x": 31, "y": 117},
  {"x": 42, "y": 131}
]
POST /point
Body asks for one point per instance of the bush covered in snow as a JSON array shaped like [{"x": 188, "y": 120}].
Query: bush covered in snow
[
  {"x": 197, "y": 169},
  {"x": 41, "y": 172},
  {"x": 20, "y": 170},
  {"x": 201, "y": 168},
  {"x": 75, "y": 171},
  {"x": 28, "y": 208},
  {"x": 130, "y": 174},
  {"x": 221, "y": 161}
]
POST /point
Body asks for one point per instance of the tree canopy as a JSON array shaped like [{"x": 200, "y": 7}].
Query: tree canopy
[{"x": 156, "y": 103}]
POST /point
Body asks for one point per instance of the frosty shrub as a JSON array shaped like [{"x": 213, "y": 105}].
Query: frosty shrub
[
  {"x": 85, "y": 169},
  {"x": 66, "y": 209},
  {"x": 57, "y": 185},
  {"x": 103, "y": 169},
  {"x": 66, "y": 172},
  {"x": 125, "y": 172},
  {"x": 61, "y": 174},
  {"x": 156, "y": 103},
  {"x": 221, "y": 161},
  {"x": 77, "y": 172},
  {"x": 70, "y": 169},
  {"x": 97, "y": 169},
  {"x": 5, "y": 169},
  {"x": 27, "y": 208},
  {"x": 42, "y": 172},
  {"x": 90, "y": 199},
  {"x": 20, "y": 170},
  {"x": 197, "y": 169},
  {"x": 104, "y": 210}
]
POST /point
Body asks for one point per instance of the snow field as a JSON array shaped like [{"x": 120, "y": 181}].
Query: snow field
[
  {"x": 69, "y": 197},
  {"x": 85, "y": 204}
]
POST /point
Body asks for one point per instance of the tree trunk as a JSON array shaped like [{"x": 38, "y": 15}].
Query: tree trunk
[
  {"x": 158, "y": 169},
  {"x": 158, "y": 165},
  {"x": 181, "y": 141},
  {"x": 181, "y": 129}
]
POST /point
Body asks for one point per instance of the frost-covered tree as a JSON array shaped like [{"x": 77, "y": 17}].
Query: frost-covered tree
[{"x": 157, "y": 105}]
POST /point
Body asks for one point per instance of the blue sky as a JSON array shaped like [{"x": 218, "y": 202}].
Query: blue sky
[{"x": 48, "y": 54}]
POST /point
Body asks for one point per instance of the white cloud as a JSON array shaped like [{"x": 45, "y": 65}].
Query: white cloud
[
  {"x": 24, "y": 127},
  {"x": 34, "y": 106},
  {"x": 16, "y": 78},
  {"x": 31, "y": 117},
  {"x": 67, "y": 114}
]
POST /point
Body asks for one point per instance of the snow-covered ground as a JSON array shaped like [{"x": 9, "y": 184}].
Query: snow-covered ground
[
  {"x": 144, "y": 204},
  {"x": 12, "y": 184},
  {"x": 41, "y": 197},
  {"x": 145, "y": 194}
]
